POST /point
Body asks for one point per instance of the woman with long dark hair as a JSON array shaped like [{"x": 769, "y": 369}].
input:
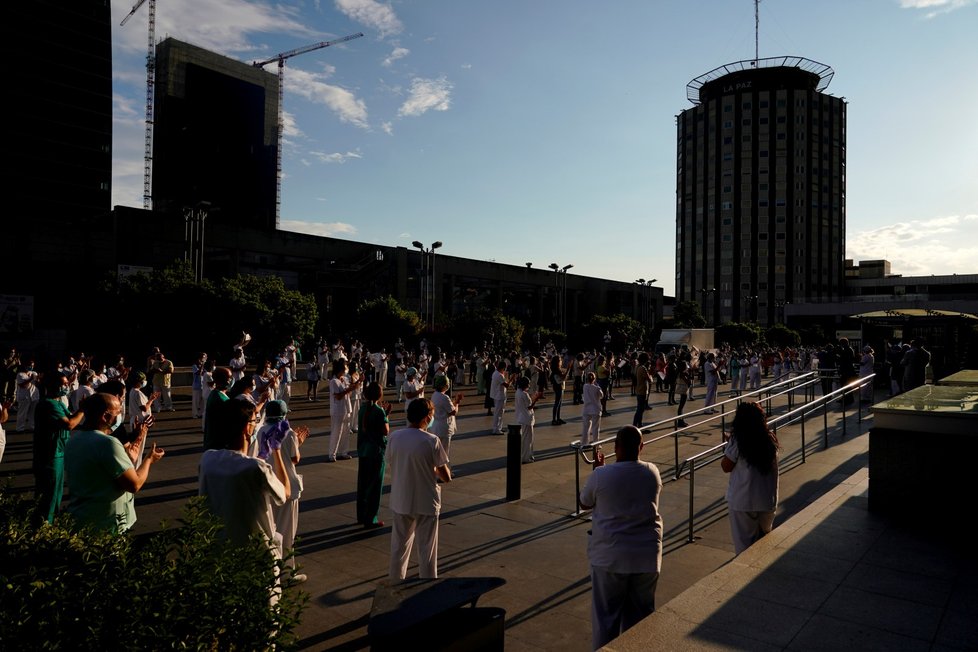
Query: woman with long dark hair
[
  {"x": 751, "y": 459},
  {"x": 558, "y": 376}
]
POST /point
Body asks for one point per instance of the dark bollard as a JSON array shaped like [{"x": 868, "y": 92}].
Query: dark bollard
[{"x": 514, "y": 461}]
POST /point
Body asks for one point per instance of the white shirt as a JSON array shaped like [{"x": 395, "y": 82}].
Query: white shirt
[
  {"x": 524, "y": 413},
  {"x": 241, "y": 490},
  {"x": 79, "y": 395},
  {"x": 626, "y": 527},
  {"x": 497, "y": 388},
  {"x": 748, "y": 490},
  {"x": 412, "y": 456},
  {"x": 443, "y": 424},
  {"x": 592, "y": 399},
  {"x": 342, "y": 405},
  {"x": 411, "y": 386}
]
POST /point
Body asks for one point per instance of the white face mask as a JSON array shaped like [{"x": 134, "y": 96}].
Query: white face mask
[
  {"x": 116, "y": 423},
  {"x": 145, "y": 382}
]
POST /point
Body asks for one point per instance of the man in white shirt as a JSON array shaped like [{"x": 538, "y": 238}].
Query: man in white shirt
[
  {"x": 625, "y": 547},
  {"x": 497, "y": 391},
  {"x": 417, "y": 462},
  {"x": 413, "y": 389}
]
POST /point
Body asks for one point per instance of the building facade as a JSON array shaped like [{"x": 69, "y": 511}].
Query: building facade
[
  {"x": 760, "y": 190},
  {"x": 215, "y": 136}
]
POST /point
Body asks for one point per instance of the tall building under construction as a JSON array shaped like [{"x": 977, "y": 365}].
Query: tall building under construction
[
  {"x": 760, "y": 190},
  {"x": 215, "y": 136}
]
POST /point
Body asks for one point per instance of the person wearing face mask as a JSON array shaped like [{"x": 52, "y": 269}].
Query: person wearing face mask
[
  {"x": 27, "y": 396},
  {"x": 53, "y": 426},
  {"x": 101, "y": 474},
  {"x": 243, "y": 490},
  {"x": 140, "y": 406}
]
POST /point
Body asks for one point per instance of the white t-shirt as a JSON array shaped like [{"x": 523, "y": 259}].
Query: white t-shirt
[
  {"x": 748, "y": 490},
  {"x": 524, "y": 413},
  {"x": 626, "y": 527},
  {"x": 411, "y": 386},
  {"x": 443, "y": 424},
  {"x": 497, "y": 388},
  {"x": 337, "y": 386},
  {"x": 79, "y": 395},
  {"x": 137, "y": 402},
  {"x": 412, "y": 456},
  {"x": 592, "y": 399},
  {"x": 241, "y": 490}
]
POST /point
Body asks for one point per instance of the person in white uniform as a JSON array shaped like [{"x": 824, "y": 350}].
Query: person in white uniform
[
  {"x": 591, "y": 412},
  {"x": 751, "y": 459},
  {"x": 625, "y": 547},
  {"x": 240, "y": 489},
  {"x": 417, "y": 462},
  {"x": 413, "y": 389},
  {"x": 497, "y": 390},
  {"x": 525, "y": 416},
  {"x": 446, "y": 407},
  {"x": 27, "y": 396},
  {"x": 340, "y": 413},
  {"x": 286, "y": 515}
]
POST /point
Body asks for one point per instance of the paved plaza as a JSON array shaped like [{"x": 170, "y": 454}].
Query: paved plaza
[{"x": 534, "y": 543}]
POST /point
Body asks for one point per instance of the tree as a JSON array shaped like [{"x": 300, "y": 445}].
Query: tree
[
  {"x": 738, "y": 334},
  {"x": 382, "y": 321},
  {"x": 477, "y": 326},
  {"x": 687, "y": 314},
  {"x": 625, "y": 332},
  {"x": 781, "y": 336}
]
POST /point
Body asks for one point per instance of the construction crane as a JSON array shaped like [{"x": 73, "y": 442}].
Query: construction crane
[
  {"x": 280, "y": 58},
  {"x": 150, "y": 81}
]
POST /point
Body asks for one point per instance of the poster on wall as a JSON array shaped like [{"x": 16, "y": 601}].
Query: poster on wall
[{"x": 16, "y": 314}]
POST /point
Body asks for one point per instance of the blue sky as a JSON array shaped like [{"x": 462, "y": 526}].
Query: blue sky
[{"x": 544, "y": 130}]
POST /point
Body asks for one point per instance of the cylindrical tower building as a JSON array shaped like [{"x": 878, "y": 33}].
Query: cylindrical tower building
[{"x": 760, "y": 190}]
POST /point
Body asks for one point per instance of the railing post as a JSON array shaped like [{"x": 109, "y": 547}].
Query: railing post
[
  {"x": 577, "y": 482},
  {"x": 675, "y": 442},
  {"x": 843, "y": 414},
  {"x": 825, "y": 423},
  {"x": 692, "y": 483},
  {"x": 802, "y": 437}
]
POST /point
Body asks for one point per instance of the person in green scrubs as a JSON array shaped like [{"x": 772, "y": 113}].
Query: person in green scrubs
[
  {"x": 53, "y": 423},
  {"x": 101, "y": 475}
]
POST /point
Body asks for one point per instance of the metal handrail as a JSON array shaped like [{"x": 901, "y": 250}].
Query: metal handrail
[
  {"x": 802, "y": 412},
  {"x": 784, "y": 387}
]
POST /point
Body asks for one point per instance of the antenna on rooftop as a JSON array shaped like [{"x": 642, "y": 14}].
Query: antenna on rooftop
[{"x": 757, "y": 27}]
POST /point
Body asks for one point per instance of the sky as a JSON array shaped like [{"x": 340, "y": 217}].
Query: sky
[{"x": 544, "y": 131}]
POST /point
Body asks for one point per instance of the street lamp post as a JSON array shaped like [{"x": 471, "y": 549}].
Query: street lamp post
[
  {"x": 432, "y": 295},
  {"x": 707, "y": 292},
  {"x": 563, "y": 302},
  {"x": 556, "y": 268},
  {"x": 422, "y": 285}
]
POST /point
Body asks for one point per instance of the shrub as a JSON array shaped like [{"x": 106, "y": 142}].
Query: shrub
[{"x": 180, "y": 588}]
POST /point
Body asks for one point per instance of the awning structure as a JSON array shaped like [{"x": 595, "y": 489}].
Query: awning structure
[{"x": 912, "y": 312}]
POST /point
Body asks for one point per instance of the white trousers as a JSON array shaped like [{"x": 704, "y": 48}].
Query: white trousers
[
  {"x": 499, "y": 407},
  {"x": 404, "y": 529},
  {"x": 196, "y": 403},
  {"x": 339, "y": 426},
  {"x": 748, "y": 527},
  {"x": 619, "y": 601},
  {"x": 590, "y": 428},
  {"x": 25, "y": 414},
  {"x": 527, "y": 432},
  {"x": 287, "y": 524}
]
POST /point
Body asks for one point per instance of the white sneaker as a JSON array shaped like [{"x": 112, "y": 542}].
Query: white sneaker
[{"x": 299, "y": 578}]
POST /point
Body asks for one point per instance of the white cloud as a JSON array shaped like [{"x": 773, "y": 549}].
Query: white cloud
[
  {"x": 940, "y": 245},
  {"x": 936, "y": 7},
  {"x": 290, "y": 129},
  {"x": 371, "y": 13},
  {"x": 335, "y": 157},
  {"x": 466, "y": 66},
  {"x": 425, "y": 95},
  {"x": 397, "y": 53},
  {"x": 326, "y": 229},
  {"x": 388, "y": 128},
  {"x": 342, "y": 102},
  {"x": 218, "y": 25}
]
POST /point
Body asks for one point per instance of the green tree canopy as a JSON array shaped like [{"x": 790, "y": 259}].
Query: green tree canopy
[
  {"x": 382, "y": 321},
  {"x": 476, "y": 326},
  {"x": 738, "y": 334},
  {"x": 626, "y": 333},
  {"x": 781, "y": 335},
  {"x": 687, "y": 314}
]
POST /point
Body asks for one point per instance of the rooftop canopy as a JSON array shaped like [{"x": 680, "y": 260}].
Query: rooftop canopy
[{"x": 769, "y": 73}]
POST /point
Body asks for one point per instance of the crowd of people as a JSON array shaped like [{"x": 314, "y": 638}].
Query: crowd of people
[{"x": 249, "y": 469}]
